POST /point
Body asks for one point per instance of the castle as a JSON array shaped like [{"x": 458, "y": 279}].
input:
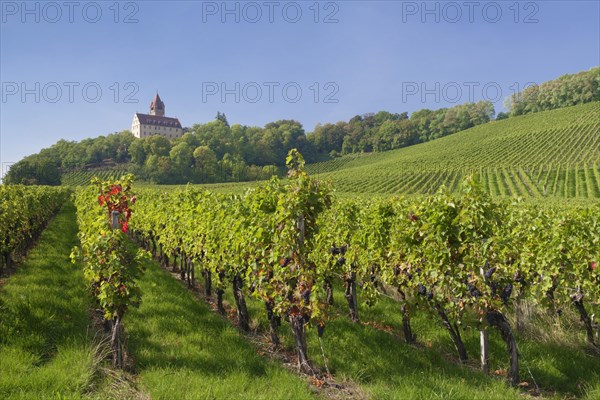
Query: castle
[{"x": 155, "y": 123}]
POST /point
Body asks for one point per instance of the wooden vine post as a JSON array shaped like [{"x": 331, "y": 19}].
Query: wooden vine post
[
  {"x": 299, "y": 203},
  {"x": 484, "y": 343}
]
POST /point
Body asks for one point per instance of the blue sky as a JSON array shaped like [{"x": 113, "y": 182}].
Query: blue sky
[{"x": 263, "y": 61}]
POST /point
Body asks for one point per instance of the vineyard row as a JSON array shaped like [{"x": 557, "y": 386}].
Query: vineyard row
[{"x": 462, "y": 258}]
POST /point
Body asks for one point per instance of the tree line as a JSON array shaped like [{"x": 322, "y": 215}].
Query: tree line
[
  {"x": 565, "y": 91},
  {"x": 219, "y": 152}
]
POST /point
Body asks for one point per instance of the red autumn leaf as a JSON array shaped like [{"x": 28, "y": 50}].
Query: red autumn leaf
[
  {"x": 125, "y": 227},
  {"x": 594, "y": 265},
  {"x": 101, "y": 200}
]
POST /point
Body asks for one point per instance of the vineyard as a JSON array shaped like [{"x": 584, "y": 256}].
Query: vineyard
[
  {"x": 552, "y": 153},
  {"x": 466, "y": 261},
  {"x": 361, "y": 298},
  {"x": 307, "y": 200},
  {"x": 83, "y": 178},
  {"x": 352, "y": 295},
  {"x": 24, "y": 213}
]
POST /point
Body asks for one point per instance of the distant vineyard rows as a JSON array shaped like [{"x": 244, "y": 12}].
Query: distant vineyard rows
[
  {"x": 83, "y": 178},
  {"x": 554, "y": 153}
]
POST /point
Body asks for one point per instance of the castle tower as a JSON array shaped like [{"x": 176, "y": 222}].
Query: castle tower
[
  {"x": 157, "y": 107},
  {"x": 155, "y": 123}
]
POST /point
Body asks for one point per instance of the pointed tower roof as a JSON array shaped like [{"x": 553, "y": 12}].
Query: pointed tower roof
[{"x": 157, "y": 103}]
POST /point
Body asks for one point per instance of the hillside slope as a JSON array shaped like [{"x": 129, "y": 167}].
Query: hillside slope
[{"x": 552, "y": 153}]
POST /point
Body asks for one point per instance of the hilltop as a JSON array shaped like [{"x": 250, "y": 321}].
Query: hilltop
[
  {"x": 217, "y": 152},
  {"x": 552, "y": 153}
]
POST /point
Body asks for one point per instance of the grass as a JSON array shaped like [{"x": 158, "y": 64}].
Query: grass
[
  {"x": 387, "y": 368},
  {"x": 45, "y": 345},
  {"x": 183, "y": 350},
  {"x": 383, "y": 365},
  {"x": 563, "y": 368}
]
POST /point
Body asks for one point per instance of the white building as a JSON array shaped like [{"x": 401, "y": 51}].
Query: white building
[{"x": 155, "y": 123}]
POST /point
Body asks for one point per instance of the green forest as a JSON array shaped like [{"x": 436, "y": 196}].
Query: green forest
[{"x": 218, "y": 151}]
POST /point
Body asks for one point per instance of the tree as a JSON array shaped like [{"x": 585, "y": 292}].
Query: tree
[
  {"x": 158, "y": 169},
  {"x": 394, "y": 134},
  {"x": 501, "y": 115},
  {"x": 205, "y": 164},
  {"x": 221, "y": 117},
  {"x": 182, "y": 160},
  {"x": 565, "y": 91},
  {"x": 34, "y": 170},
  {"x": 328, "y": 137},
  {"x": 137, "y": 151},
  {"x": 158, "y": 145}
]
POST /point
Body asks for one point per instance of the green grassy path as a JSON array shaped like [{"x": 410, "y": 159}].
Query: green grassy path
[
  {"x": 45, "y": 347},
  {"x": 564, "y": 369},
  {"x": 385, "y": 367},
  {"x": 382, "y": 364},
  {"x": 183, "y": 350}
]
